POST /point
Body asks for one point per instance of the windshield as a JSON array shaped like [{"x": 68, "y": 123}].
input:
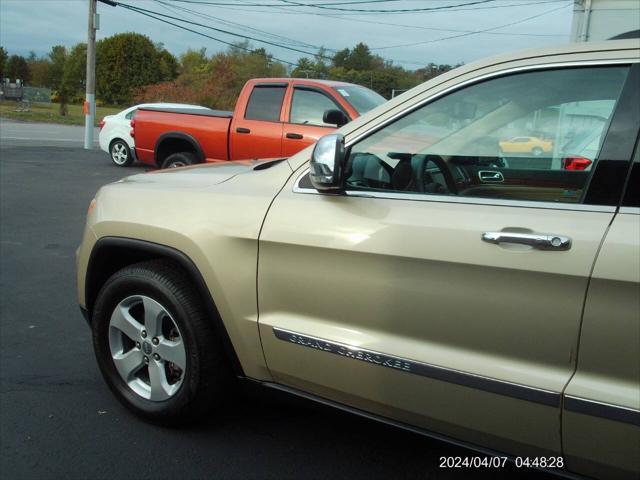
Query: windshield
[{"x": 360, "y": 98}]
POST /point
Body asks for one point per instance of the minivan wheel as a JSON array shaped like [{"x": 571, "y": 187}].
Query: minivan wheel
[
  {"x": 120, "y": 153},
  {"x": 180, "y": 159},
  {"x": 154, "y": 345}
]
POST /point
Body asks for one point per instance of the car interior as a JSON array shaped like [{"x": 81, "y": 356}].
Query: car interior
[{"x": 451, "y": 146}]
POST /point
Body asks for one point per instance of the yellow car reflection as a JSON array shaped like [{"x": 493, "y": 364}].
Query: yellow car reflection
[{"x": 534, "y": 145}]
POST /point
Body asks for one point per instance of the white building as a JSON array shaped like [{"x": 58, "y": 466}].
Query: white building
[{"x": 595, "y": 20}]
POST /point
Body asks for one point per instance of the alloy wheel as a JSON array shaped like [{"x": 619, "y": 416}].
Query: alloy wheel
[
  {"x": 147, "y": 348},
  {"x": 119, "y": 153}
]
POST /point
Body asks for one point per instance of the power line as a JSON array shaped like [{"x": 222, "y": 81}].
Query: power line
[
  {"x": 424, "y": 27},
  {"x": 282, "y": 8},
  {"x": 461, "y": 9},
  {"x": 328, "y": 6},
  {"x": 471, "y": 33},
  {"x": 396, "y": 10},
  {"x": 176, "y": 9},
  {"x": 280, "y": 4},
  {"x": 134, "y": 9},
  {"x": 283, "y": 39},
  {"x": 337, "y": 16},
  {"x": 246, "y": 37},
  {"x": 155, "y": 15}
]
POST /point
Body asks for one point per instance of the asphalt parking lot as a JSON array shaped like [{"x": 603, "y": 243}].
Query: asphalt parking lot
[{"x": 59, "y": 420}]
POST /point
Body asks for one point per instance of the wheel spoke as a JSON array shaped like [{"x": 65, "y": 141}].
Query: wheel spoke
[
  {"x": 143, "y": 366},
  {"x": 123, "y": 321},
  {"x": 153, "y": 313},
  {"x": 160, "y": 387},
  {"x": 173, "y": 352},
  {"x": 128, "y": 363}
]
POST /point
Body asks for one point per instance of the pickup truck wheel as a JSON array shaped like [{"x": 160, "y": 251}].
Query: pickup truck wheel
[
  {"x": 155, "y": 347},
  {"x": 120, "y": 153},
  {"x": 179, "y": 159}
]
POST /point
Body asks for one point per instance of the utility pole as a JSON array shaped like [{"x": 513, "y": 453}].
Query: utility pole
[{"x": 90, "y": 101}]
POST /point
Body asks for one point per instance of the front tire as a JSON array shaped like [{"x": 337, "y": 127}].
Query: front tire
[
  {"x": 155, "y": 347},
  {"x": 120, "y": 153},
  {"x": 180, "y": 159},
  {"x": 536, "y": 151}
]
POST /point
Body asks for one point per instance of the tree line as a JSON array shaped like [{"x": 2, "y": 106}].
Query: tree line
[
  {"x": 131, "y": 68},
  {"x": 124, "y": 62},
  {"x": 216, "y": 80}
]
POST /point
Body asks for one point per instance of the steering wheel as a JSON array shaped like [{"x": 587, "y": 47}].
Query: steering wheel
[{"x": 444, "y": 170}]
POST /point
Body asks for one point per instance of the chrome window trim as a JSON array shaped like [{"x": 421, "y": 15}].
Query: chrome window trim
[
  {"x": 630, "y": 210},
  {"x": 422, "y": 197},
  {"x": 468, "y": 200},
  {"x": 449, "y": 375}
]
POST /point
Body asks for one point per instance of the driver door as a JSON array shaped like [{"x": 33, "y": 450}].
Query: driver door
[
  {"x": 305, "y": 123},
  {"x": 445, "y": 288}
]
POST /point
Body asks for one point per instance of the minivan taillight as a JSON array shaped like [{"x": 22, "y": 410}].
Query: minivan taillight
[{"x": 576, "y": 163}]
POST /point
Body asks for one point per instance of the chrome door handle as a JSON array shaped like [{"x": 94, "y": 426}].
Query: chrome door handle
[
  {"x": 535, "y": 240},
  {"x": 490, "y": 176}
]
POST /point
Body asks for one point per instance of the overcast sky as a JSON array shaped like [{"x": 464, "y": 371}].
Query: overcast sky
[{"x": 414, "y": 39}]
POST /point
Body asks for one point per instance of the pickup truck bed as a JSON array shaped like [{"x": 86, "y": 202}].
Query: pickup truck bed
[{"x": 212, "y": 134}]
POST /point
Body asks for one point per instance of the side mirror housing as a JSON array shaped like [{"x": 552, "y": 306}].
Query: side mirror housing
[
  {"x": 335, "y": 117},
  {"x": 327, "y": 163}
]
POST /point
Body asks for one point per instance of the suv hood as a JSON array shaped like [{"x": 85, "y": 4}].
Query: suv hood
[{"x": 202, "y": 175}]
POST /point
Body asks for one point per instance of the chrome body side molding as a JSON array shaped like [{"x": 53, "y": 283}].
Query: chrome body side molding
[
  {"x": 500, "y": 387},
  {"x": 602, "y": 410},
  {"x": 487, "y": 384}
]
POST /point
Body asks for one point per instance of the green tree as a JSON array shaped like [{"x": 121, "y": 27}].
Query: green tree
[
  {"x": 316, "y": 68},
  {"x": 341, "y": 57},
  {"x": 217, "y": 82},
  {"x": 253, "y": 64},
  {"x": 360, "y": 58},
  {"x": 57, "y": 58},
  {"x": 74, "y": 74},
  {"x": 168, "y": 65},
  {"x": 320, "y": 66},
  {"x": 125, "y": 62},
  {"x": 194, "y": 61},
  {"x": 304, "y": 69},
  {"x": 17, "y": 68},
  {"x": 3, "y": 62},
  {"x": 39, "y": 71}
]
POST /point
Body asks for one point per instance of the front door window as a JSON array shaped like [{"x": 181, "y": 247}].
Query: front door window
[{"x": 532, "y": 136}]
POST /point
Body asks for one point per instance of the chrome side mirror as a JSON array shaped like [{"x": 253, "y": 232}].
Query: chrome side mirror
[{"x": 327, "y": 162}]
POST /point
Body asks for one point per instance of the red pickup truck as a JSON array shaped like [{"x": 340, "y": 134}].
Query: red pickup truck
[{"x": 273, "y": 117}]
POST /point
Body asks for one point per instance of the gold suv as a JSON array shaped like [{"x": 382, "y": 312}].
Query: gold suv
[{"x": 402, "y": 268}]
